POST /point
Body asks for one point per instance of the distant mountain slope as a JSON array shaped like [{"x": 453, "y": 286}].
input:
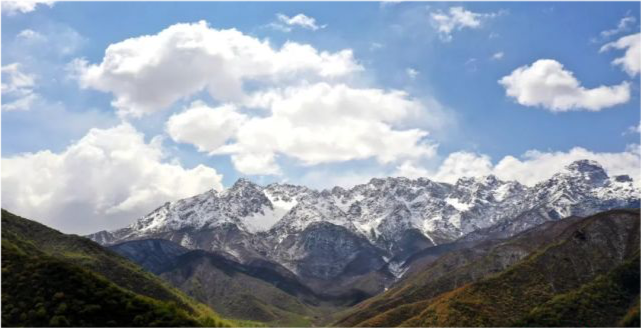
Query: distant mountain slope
[
  {"x": 242, "y": 291},
  {"x": 43, "y": 268},
  {"x": 584, "y": 250},
  {"x": 155, "y": 255},
  {"x": 258, "y": 290}
]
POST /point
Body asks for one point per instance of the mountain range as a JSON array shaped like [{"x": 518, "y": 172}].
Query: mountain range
[
  {"x": 300, "y": 256},
  {"x": 338, "y": 235}
]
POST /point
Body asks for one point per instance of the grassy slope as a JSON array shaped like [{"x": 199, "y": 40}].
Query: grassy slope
[
  {"x": 605, "y": 301},
  {"x": 449, "y": 272},
  {"x": 27, "y": 241},
  {"x": 503, "y": 299},
  {"x": 585, "y": 249}
]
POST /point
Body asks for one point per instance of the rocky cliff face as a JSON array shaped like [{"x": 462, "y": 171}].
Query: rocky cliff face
[{"x": 341, "y": 233}]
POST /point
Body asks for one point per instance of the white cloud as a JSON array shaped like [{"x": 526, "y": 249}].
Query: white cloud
[
  {"x": 25, "y": 102},
  {"x": 23, "y": 6},
  {"x": 624, "y": 25},
  {"x": 497, "y": 56},
  {"x": 143, "y": 75},
  {"x": 457, "y": 19},
  {"x": 463, "y": 164},
  {"x": 385, "y": 3},
  {"x": 411, "y": 169},
  {"x": 299, "y": 20},
  {"x": 18, "y": 87},
  {"x": 631, "y": 60},
  {"x": 104, "y": 180},
  {"x": 206, "y": 128},
  {"x": 411, "y": 73},
  {"x": 314, "y": 124},
  {"x": 30, "y": 34},
  {"x": 633, "y": 129},
  {"x": 50, "y": 41},
  {"x": 324, "y": 179},
  {"x": 547, "y": 84},
  {"x": 375, "y": 46},
  {"x": 532, "y": 167}
]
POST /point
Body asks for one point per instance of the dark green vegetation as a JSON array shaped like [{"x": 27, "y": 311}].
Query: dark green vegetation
[
  {"x": 53, "y": 279},
  {"x": 576, "y": 272},
  {"x": 609, "y": 299}
]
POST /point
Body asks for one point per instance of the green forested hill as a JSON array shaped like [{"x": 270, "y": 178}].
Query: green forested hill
[
  {"x": 612, "y": 298},
  {"x": 89, "y": 255},
  {"x": 49, "y": 278}
]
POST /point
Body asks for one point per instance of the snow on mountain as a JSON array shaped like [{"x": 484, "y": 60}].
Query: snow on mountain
[{"x": 383, "y": 209}]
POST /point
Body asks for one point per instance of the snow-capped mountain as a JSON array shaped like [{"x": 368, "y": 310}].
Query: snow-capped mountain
[{"x": 390, "y": 218}]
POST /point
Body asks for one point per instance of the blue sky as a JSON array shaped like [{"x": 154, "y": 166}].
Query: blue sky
[{"x": 452, "y": 75}]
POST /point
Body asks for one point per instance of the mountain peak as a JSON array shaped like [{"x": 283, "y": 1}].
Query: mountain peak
[
  {"x": 243, "y": 183},
  {"x": 243, "y": 188},
  {"x": 588, "y": 168},
  {"x": 584, "y": 165}
]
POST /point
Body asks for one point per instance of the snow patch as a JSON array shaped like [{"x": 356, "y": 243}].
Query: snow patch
[
  {"x": 502, "y": 192},
  {"x": 397, "y": 269},
  {"x": 454, "y": 202},
  {"x": 267, "y": 217}
]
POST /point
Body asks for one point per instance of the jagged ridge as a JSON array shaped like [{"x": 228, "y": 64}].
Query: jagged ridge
[{"x": 396, "y": 216}]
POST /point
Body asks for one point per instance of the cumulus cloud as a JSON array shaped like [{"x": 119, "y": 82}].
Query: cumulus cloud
[
  {"x": 463, "y": 164},
  {"x": 143, "y": 75},
  {"x": 457, "y": 19},
  {"x": 13, "y": 7},
  {"x": 206, "y": 128},
  {"x": 313, "y": 124},
  {"x": 547, "y": 84},
  {"x": 18, "y": 87},
  {"x": 532, "y": 167},
  {"x": 631, "y": 60},
  {"x": 285, "y": 23},
  {"x": 104, "y": 180}
]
